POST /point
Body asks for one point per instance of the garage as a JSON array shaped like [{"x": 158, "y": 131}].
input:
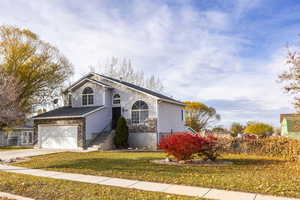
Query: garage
[{"x": 58, "y": 136}]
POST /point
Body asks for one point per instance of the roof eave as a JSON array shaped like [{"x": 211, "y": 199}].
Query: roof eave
[
  {"x": 153, "y": 96},
  {"x": 59, "y": 117},
  {"x": 86, "y": 77},
  {"x": 74, "y": 116},
  {"x": 173, "y": 102}
]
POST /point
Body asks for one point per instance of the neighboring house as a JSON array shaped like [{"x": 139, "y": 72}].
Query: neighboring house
[
  {"x": 18, "y": 136},
  {"x": 290, "y": 125},
  {"x": 95, "y": 102}
]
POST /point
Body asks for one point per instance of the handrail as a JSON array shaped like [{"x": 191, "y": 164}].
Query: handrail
[{"x": 108, "y": 124}]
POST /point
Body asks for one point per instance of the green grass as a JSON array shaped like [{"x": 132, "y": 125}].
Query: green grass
[
  {"x": 14, "y": 148},
  {"x": 52, "y": 189},
  {"x": 248, "y": 173}
]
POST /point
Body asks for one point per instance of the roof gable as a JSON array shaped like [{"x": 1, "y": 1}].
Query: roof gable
[
  {"x": 142, "y": 89},
  {"x": 85, "y": 79}
]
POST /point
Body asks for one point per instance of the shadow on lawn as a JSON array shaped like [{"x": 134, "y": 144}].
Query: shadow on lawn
[
  {"x": 119, "y": 164},
  {"x": 143, "y": 166}
]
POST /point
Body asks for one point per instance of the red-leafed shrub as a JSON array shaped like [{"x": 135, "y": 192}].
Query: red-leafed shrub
[
  {"x": 183, "y": 146},
  {"x": 210, "y": 149}
]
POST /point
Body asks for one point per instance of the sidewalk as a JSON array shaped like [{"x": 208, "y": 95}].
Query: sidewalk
[
  {"x": 13, "y": 196},
  {"x": 143, "y": 185}
]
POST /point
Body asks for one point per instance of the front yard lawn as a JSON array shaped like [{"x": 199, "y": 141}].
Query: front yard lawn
[
  {"x": 52, "y": 189},
  {"x": 248, "y": 173},
  {"x": 13, "y": 148}
]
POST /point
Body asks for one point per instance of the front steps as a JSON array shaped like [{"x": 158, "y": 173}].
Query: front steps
[{"x": 103, "y": 142}]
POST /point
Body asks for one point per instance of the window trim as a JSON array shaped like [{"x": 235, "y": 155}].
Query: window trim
[
  {"x": 70, "y": 99},
  {"x": 87, "y": 97},
  {"x": 139, "y": 111},
  {"x": 116, "y": 98},
  {"x": 26, "y": 138}
]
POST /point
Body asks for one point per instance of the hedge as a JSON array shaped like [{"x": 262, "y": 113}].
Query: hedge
[{"x": 271, "y": 146}]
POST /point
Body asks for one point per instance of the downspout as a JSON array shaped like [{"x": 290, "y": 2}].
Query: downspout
[{"x": 157, "y": 122}]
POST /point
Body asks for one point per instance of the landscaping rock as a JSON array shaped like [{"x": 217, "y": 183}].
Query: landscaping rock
[{"x": 193, "y": 162}]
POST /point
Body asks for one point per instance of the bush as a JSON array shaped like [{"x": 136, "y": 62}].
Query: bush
[
  {"x": 210, "y": 150},
  {"x": 260, "y": 129},
  {"x": 286, "y": 148},
  {"x": 121, "y": 137},
  {"x": 183, "y": 146}
]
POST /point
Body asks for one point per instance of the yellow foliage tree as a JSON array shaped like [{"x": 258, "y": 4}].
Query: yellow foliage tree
[
  {"x": 200, "y": 116},
  {"x": 39, "y": 66},
  {"x": 259, "y": 128}
]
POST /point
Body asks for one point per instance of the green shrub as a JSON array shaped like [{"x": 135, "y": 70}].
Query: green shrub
[
  {"x": 121, "y": 137},
  {"x": 270, "y": 146}
]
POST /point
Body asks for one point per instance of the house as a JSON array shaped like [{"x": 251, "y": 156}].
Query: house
[
  {"x": 18, "y": 136},
  {"x": 290, "y": 125},
  {"x": 95, "y": 102}
]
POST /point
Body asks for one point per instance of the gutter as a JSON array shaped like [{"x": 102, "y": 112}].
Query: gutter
[
  {"x": 173, "y": 102},
  {"x": 74, "y": 116}
]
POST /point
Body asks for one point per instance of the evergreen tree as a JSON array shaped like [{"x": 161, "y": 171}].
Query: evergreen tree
[{"x": 121, "y": 137}]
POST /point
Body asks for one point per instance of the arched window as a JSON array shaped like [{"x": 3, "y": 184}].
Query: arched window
[
  {"x": 139, "y": 112},
  {"x": 116, "y": 99},
  {"x": 87, "y": 96}
]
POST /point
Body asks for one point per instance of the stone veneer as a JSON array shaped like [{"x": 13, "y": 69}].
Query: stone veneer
[
  {"x": 66, "y": 121},
  {"x": 148, "y": 127}
]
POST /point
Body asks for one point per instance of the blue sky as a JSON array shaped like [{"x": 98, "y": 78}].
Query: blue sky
[{"x": 227, "y": 54}]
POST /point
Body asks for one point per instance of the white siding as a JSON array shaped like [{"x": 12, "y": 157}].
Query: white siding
[
  {"x": 97, "y": 121},
  {"x": 129, "y": 97},
  {"x": 3, "y": 140},
  {"x": 141, "y": 140},
  {"x": 170, "y": 117},
  {"x": 98, "y": 95}
]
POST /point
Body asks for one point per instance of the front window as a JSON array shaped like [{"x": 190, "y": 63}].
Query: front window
[
  {"x": 87, "y": 96},
  {"x": 139, "y": 112},
  {"x": 116, "y": 99},
  {"x": 27, "y": 137}
]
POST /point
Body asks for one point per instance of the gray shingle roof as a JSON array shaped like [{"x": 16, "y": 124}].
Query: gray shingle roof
[
  {"x": 67, "y": 112},
  {"x": 99, "y": 82},
  {"x": 145, "y": 90}
]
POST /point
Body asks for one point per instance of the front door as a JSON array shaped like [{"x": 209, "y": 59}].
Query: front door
[{"x": 116, "y": 113}]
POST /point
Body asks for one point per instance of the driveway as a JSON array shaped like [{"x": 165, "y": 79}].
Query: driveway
[{"x": 13, "y": 154}]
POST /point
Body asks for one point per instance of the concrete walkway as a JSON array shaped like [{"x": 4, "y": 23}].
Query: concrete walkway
[
  {"x": 13, "y": 196},
  {"x": 23, "y": 153},
  {"x": 143, "y": 185}
]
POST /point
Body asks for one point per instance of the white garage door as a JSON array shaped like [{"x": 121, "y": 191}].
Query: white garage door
[{"x": 58, "y": 137}]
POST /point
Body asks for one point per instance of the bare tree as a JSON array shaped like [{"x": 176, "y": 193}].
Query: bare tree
[
  {"x": 10, "y": 110},
  {"x": 292, "y": 76},
  {"x": 122, "y": 69}
]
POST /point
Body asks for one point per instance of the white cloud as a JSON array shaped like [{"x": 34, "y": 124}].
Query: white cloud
[{"x": 195, "y": 52}]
